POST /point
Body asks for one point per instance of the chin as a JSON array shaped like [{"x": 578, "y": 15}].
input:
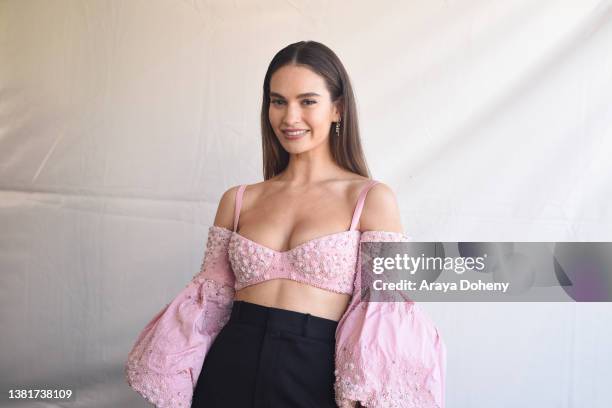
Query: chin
[{"x": 295, "y": 149}]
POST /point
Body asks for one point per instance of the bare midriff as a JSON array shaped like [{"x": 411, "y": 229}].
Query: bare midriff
[{"x": 296, "y": 296}]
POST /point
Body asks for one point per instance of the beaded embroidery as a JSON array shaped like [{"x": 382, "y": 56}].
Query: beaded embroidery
[
  {"x": 410, "y": 392},
  {"x": 165, "y": 361},
  {"x": 327, "y": 262},
  {"x": 401, "y": 381},
  {"x": 397, "y": 380}
]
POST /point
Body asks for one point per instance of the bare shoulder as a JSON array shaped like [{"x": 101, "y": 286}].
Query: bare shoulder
[
  {"x": 225, "y": 210},
  {"x": 381, "y": 210}
]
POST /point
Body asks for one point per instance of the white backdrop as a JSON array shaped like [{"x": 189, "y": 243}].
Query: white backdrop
[{"x": 122, "y": 122}]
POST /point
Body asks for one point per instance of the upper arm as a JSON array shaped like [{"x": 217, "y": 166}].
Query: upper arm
[
  {"x": 380, "y": 210},
  {"x": 225, "y": 210}
]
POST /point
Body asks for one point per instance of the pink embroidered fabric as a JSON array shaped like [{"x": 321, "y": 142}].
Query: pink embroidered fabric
[
  {"x": 388, "y": 354},
  {"x": 165, "y": 361},
  {"x": 327, "y": 262}
]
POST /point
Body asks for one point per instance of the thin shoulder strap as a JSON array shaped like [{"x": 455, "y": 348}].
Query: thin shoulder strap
[
  {"x": 238, "y": 204},
  {"x": 360, "y": 202}
]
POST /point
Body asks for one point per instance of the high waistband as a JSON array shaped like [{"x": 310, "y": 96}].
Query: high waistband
[{"x": 303, "y": 324}]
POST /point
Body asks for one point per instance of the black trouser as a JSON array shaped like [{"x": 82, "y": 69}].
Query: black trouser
[{"x": 266, "y": 357}]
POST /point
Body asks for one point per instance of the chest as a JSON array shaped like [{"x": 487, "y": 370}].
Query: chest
[{"x": 283, "y": 222}]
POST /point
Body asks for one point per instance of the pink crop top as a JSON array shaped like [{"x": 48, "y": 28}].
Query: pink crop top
[
  {"x": 327, "y": 262},
  {"x": 387, "y": 354}
]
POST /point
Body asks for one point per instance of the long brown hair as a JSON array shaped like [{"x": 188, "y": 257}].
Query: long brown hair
[{"x": 345, "y": 149}]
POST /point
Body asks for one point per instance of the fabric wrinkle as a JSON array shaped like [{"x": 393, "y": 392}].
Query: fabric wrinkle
[{"x": 383, "y": 354}]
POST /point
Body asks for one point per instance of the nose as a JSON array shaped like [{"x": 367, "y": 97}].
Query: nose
[{"x": 293, "y": 114}]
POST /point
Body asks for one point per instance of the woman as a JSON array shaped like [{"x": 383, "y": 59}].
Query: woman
[{"x": 277, "y": 317}]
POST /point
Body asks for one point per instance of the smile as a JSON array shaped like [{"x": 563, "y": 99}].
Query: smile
[{"x": 295, "y": 134}]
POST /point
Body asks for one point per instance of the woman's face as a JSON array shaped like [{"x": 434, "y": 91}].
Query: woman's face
[{"x": 299, "y": 100}]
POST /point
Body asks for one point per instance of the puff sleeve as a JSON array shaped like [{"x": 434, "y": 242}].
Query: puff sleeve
[
  {"x": 165, "y": 361},
  {"x": 388, "y": 354}
]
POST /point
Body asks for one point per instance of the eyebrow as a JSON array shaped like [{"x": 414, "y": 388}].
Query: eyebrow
[{"x": 302, "y": 95}]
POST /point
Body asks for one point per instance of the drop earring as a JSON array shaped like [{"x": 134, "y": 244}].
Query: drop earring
[{"x": 338, "y": 128}]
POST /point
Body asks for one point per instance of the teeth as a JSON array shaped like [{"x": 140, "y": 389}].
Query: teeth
[{"x": 299, "y": 132}]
